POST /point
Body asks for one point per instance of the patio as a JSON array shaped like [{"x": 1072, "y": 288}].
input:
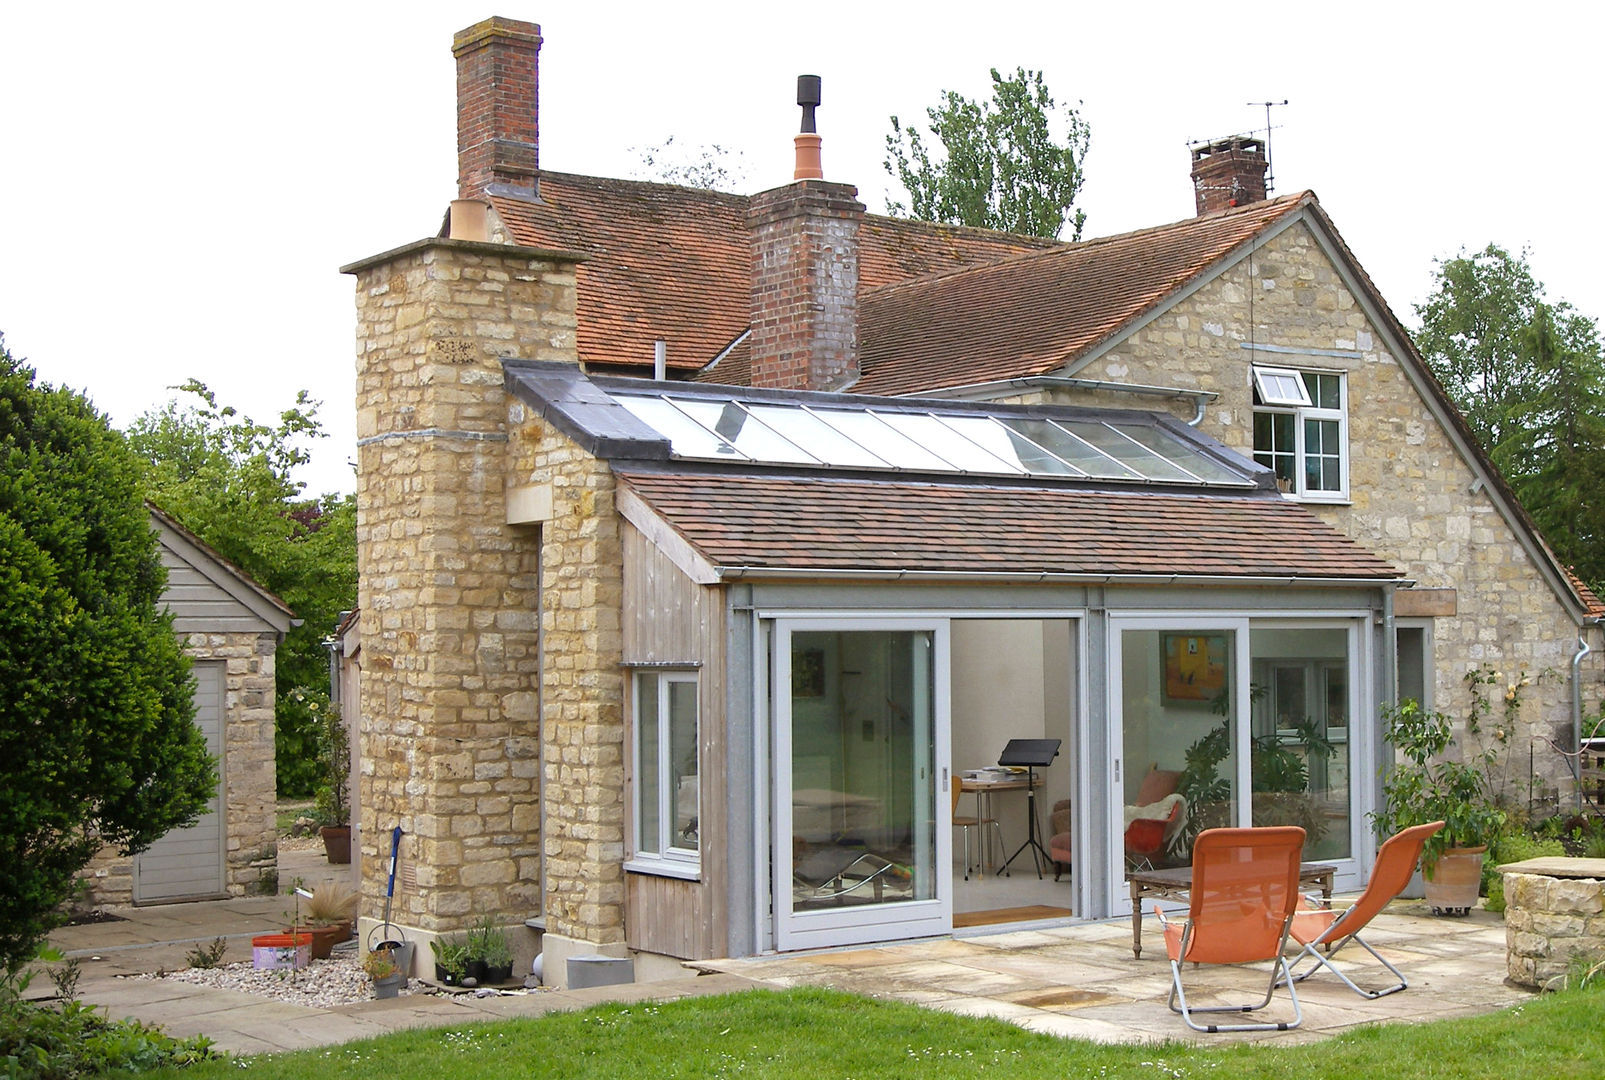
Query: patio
[{"x": 1082, "y": 982}]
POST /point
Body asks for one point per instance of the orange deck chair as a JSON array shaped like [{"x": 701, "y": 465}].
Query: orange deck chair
[
  {"x": 1316, "y": 927},
  {"x": 1243, "y": 898}
]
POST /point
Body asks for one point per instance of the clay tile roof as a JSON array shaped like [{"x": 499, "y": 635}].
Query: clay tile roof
[
  {"x": 1593, "y": 606},
  {"x": 780, "y": 524},
  {"x": 1032, "y": 314},
  {"x": 664, "y": 262},
  {"x": 674, "y": 262}
]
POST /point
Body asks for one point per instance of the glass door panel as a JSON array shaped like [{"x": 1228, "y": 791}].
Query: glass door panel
[
  {"x": 858, "y": 785},
  {"x": 1299, "y": 764},
  {"x": 1178, "y": 739}
]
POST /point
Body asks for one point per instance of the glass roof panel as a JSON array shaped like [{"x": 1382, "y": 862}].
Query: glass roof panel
[
  {"x": 687, "y": 438},
  {"x": 879, "y": 436},
  {"x": 1065, "y": 445},
  {"x": 947, "y": 437},
  {"x": 884, "y": 441},
  {"x": 1131, "y": 454},
  {"x": 1164, "y": 443},
  {"x": 817, "y": 437},
  {"x": 751, "y": 437}
]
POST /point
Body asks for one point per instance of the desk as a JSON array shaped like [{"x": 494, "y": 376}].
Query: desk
[
  {"x": 1176, "y": 882},
  {"x": 983, "y": 798}
]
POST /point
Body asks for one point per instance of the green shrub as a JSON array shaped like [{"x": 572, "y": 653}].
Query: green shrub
[
  {"x": 68, "y": 1039},
  {"x": 1510, "y": 848}
]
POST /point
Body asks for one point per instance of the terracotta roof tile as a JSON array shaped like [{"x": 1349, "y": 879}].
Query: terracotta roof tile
[
  {"x": 674, "y": 262},
  {"x": 1031, "y": 314},
  {"x": 790, "y": 524}
]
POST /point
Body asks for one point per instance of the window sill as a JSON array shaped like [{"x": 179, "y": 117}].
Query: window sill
[
  {"x": 1318, "y": 500},
  {"x": 685, "y": 871}
]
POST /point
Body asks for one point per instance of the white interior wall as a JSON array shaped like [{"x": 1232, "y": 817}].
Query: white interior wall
[{"x": 1012, "y": 679}]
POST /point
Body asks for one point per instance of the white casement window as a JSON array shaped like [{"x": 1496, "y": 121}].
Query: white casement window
[
  {"x": 667, "y": 797},
  {"x": 1301, "y": 430}
]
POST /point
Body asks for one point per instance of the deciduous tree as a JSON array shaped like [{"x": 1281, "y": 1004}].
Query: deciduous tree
[
  {"x": 1002, "y": 164},
  {"x": 229, "y": 480},
  {"x": 97, "y": 737},
  {"x": 1529, "y": 378}
]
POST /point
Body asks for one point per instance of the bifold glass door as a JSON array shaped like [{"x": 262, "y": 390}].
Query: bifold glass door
[{"x": 861, "y": 839}]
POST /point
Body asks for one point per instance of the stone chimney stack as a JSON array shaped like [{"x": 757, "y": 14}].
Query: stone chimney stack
[
  {"x": 805, "y": 272},
  {"x": 498, "y": 94},
  {"x": 1228, "y": 172}
]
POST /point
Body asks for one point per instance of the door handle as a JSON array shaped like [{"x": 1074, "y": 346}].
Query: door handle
[{"x": 944, "y": 778}]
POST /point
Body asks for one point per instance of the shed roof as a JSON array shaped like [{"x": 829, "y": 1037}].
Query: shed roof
[{"x": 779, "y": 525}]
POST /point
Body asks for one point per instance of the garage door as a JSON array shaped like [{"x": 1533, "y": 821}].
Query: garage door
[{"x": 187, "y": 864}]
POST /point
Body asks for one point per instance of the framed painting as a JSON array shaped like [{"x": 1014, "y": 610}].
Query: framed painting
[{"x": 1195, "y": 666}]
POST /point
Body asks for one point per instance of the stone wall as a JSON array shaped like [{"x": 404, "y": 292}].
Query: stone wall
[
  {"x": 249, "y": 778},
  {"x": 448, "y": 591},
  {"x": 582, "y": 728},
  {"x": 1412, "y": 497},
  {"x": 1549, "y": 920}
]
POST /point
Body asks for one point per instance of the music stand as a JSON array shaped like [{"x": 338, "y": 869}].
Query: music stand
[{"x": 1032, "y": 753}]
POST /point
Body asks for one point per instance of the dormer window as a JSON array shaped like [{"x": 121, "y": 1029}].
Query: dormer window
[{"x": 1301, "y": 431}]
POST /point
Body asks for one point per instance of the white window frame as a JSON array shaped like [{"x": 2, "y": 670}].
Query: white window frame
[
  {"x": 1281, "y": 405},
  {"x": 658, "y": 855}
]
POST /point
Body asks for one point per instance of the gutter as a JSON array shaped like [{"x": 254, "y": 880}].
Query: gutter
[
  {"x": 1002, "y": 387},
  {"x": 758, "y": 573}
]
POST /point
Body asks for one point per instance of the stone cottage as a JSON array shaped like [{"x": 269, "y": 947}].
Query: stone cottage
[
  {"x": 231, "y": 628},
  {"x": 714, "y": 548}
]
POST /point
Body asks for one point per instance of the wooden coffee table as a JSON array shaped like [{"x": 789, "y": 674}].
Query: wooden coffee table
[{"x": 1176, "y": 882}]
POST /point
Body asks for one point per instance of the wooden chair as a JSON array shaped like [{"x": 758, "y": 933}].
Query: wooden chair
[
  {"x": 1318, "y": 927},
  {"x": 1242, "y": 902}
]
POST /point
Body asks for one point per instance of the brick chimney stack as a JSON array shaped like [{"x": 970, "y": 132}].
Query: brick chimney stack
[
  {"x": 1228, "y": 172},
  {"x": 498, "y": 93},
  {"x": 805, "y": 286}
]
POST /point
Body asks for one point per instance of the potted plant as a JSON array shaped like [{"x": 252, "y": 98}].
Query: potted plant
[
  {"x": 1425, "y": 786},
  {"x": 490, "y": 958},
  {"x": 331, "y": 910},
  {"x": 380, "y": 966},
  {"x": 451, "y": 960},
  {"x": 333, "y": 795}
]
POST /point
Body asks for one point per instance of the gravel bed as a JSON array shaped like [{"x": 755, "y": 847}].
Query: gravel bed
[{"x": 322, "y": 984}]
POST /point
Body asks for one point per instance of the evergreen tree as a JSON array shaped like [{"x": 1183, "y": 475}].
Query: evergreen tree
[{"x": 98, "y": 743}]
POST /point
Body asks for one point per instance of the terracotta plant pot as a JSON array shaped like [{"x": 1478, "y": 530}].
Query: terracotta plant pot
[
  {"x": 1456, "y": 881},
  {"x": 325, "y": 938},
  {"x": 337, "y": 842}
]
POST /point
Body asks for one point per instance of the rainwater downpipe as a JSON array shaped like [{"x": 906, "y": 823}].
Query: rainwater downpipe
[{"x": 1576, "y": 763}]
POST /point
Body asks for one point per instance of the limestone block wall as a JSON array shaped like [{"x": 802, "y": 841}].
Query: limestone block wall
[
  {"x": 583, "y": 723},
  {"x": 449, "y": 593},
  {"x": 1412, "y": 497},
  {"x": 249, "y": 775},
  {"x": 1549, "y": 920}
]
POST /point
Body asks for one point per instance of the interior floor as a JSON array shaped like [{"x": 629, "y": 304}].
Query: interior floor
[{"x": 1020, "y": 897}]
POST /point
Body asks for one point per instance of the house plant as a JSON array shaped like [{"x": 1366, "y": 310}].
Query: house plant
[{"x": 1425, "y": 786}]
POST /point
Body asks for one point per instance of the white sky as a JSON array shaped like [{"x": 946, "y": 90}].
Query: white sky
[{"x": 182, "y": 181}]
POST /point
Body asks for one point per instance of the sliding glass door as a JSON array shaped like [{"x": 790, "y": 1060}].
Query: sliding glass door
[
  {"x": 1228, "y": 721},
  {"x": 861, "y": 834}
]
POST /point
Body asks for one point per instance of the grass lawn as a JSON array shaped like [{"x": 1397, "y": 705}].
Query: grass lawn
[{"x": 804, "y": 1034}]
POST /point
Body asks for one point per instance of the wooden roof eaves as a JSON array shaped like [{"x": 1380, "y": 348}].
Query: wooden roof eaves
[
  {"x": 211, "y": 565},
  {"x": 665, "y": 537},
  {"x": 1414, "y": 365}
]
